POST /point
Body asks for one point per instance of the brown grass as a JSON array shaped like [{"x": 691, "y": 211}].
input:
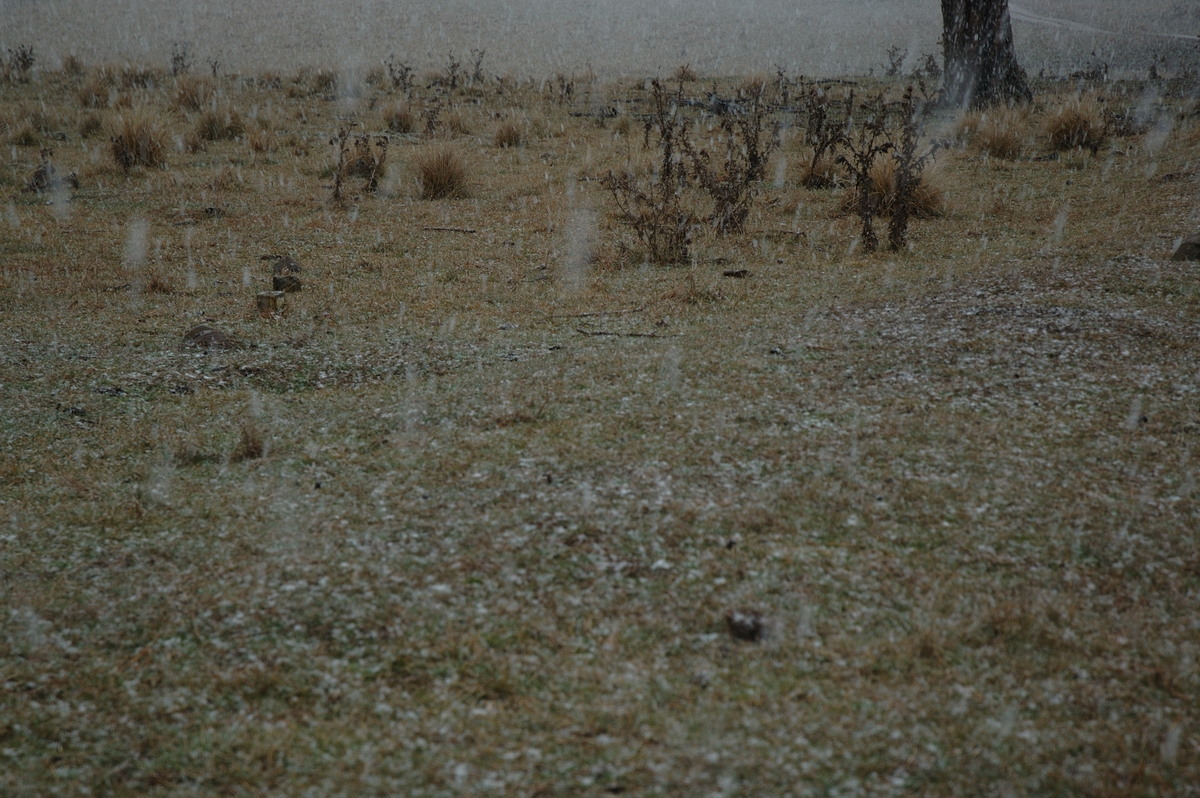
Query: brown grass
[
  {"x": 508, "y": 134},
  {"x": 501, "y": 483},
  {"x": 929, "y": 195},
  {"x": 398, "y": 118},
  {"x": 137, "y": 139},
  {"x": 193, "y": 92},
  {"x": 996, "y": 132},
  {"x": 442, "y": 173},
  {"x": 1078, "y": 123},
  {"x": 96, "y": 92},
  {"x": 219, "y": 122}
]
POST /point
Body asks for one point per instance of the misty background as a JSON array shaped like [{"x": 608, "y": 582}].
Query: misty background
[{"x": 613, "y": 38}]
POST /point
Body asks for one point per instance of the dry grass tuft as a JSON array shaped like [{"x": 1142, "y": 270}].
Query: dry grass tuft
[
  {"x": 261, "y": 137},
  {"x": 219, "y": 122},
  {"x": 96, "y": 92},
  {"x": 398, "y": 118},
  {"x": 1077, "y": 124},
  {"x": 193, "y": 92},
  {"x": 455, "y": 124},
  {"x": 442, "y": 174},
  {"x": 251, "y": 445},
  {"x": 90, "y": 126},
  {"x": 138, "y": 139},
  {"x": 928, "y": 200},
  {"x": 821, "y": 174},
  {"x": 72, "y": 66},
  {"x": 508, "y": 134},
  {"x": 684, "y": 73},
  {"x": 157, "y": 284},
  {"x": 997, "y": 132}
]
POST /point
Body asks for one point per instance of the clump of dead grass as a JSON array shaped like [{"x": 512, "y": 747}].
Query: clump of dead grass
[
  {"x": 684, "y": 73},
  {"x": 96, "y": 92},
  {"x": 442, "y": 174},
  {"x": 996, "y": 132},
  {"x": 251, "y": 444},
  {"x": 819, "y": 172},
  {"x": 138, "y": 139},
  {"x": 1078, "y": 123},
  {"x": 398, "y": 118},
  {"x": 508, "y": 134},
  {"x": 219, "y": 122},
  {"x": 193, "y": 92},
  {"x": 261, "y": 137},
  {"x": 928, "y": 193}
]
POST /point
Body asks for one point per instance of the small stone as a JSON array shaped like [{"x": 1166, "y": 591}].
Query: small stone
[
  {"x": 288, "y": 283},
  {"x": 269, "y": 301},
  {"x": 209, "y": 338},
  {"x": 1189, "y": 249},
  {"x": 747, "y": 625},
  {"x": 284, "y": 264}
]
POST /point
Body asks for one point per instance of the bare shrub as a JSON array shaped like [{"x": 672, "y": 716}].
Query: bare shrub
[
  {"x": 656, "y": 211},
  {"x": 137, "y": 139},
  {"x": 1078, "y": 123},
  {"x": 398, "y": 118},
  {"x": 732, "y": 179},
  {"x": 359, "y": 156},
  {"x": 400, "y": 73},
  {"x": 508, "y": 134},
  {"x": 824, "y": 128},
  {"x": 442, "y": 174},
  {"x": 20, "y": 63}
]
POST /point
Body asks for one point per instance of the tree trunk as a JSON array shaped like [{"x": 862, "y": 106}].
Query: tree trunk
[{"x": 981, "y": 66}]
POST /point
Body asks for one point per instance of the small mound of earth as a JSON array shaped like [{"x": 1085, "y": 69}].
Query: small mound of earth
[{"x": 209, "y": 338}]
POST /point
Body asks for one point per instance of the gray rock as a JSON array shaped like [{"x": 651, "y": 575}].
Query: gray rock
[
  {"x": 207, "y": 337},
  {"x": 1189, "y": 249}
]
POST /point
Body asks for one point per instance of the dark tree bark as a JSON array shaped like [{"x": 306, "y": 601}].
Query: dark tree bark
[{"x": 981, "y": 66}]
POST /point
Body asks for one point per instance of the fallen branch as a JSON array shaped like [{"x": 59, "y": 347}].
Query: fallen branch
[
  {"x": 596, "y": 313},
  {"x": 582, "y": 331},
  {"x": 449, "y": 229}
]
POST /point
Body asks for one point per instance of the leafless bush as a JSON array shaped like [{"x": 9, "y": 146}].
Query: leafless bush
[
  {"x": 656, "y": 212},
  {"x": 732, "y": 180},
  {"x": 400, "y": 73},
  {"x": 359, "y": 156},
  {"x": 181, "y": 59},
  {"x": 881, "y": 153},
  {"x": 20, "y": 63},
  {"x": 824, "y": 129}
]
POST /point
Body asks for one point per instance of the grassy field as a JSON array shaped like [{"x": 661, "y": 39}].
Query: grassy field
[{"x": 468, "y": 516}]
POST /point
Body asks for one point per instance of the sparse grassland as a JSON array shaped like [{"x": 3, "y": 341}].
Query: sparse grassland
[{"x": 472, "y": 514}]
